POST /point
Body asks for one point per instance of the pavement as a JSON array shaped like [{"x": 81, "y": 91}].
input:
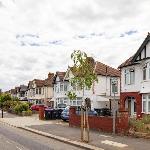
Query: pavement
[{"x": 61, "y": 131}]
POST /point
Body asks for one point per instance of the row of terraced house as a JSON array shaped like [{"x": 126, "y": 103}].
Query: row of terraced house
[{"x": 131, "y": 91}]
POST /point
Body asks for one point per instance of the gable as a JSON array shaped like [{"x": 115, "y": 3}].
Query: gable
[
  {"x": 143, "y": 51},
  {"x": 142, "y": 54},
  {"x": 57, "y": 79}
]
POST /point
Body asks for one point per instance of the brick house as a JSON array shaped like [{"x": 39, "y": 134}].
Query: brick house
[{"x": 135, "y": 81}]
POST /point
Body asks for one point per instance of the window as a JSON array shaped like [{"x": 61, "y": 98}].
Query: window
[
  {"x": 149, "y": 72},
  {"x": 33, "y": 92},
  {"x": 126, "y": 76},
  {"x": 144, "y": 103},
  {"x": 144, "y": 73},
  {"x": 39, "y": 90},
  {"x": 79, "y": 101},
  {"x": 115, "y": 87},
  {"x": 36, "y": 91},
  {"x": 61, "y": 101},
  {"x": 65, "y": 100},
  {"x": 144, "y": 106},
  {"x": 43, "y": 91},
  {"x": 74, "y": 103},
  {"x": 148, "y": 103},
  {"x": 65, "y": 87},
  {"x": 61, "y": 87},
  {"x": 57, "y": 89},
  {"x": 129, "y": 76}
]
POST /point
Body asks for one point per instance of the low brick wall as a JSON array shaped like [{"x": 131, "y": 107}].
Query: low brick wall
[{"x": 101, "y": 123}]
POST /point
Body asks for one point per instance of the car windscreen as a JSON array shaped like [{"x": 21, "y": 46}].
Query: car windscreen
[{"x": 61, "y": 105}]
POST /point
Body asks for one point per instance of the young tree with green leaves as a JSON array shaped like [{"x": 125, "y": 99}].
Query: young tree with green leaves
[{"x": 84, "y": 77}]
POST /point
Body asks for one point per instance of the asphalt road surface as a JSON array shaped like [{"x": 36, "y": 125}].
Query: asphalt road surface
[{"x": 16, "y": 139}]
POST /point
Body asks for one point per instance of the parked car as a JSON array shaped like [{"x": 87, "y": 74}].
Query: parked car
[
  {"x": 61, "y": 106},
  {"x": 65, "y": 113},
  {"x": 37, "y": 106},
  {"x": 103, "y": 112}
]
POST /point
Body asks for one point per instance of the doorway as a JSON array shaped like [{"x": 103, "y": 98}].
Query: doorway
[{"x": 130, "y": 106}]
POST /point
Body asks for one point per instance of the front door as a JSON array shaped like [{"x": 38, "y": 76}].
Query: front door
[{"x": 130, "y": 106}]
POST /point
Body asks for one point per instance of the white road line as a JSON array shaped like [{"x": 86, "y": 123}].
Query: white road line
[
  {"x": 18, "y": 148},
  {"x": 105, "y": 135},
  {"x": 8, "y": 142},
  {"x": 114, "y": 143}
]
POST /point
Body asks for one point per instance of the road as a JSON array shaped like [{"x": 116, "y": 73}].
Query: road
[{"x": 16, "y": 139}]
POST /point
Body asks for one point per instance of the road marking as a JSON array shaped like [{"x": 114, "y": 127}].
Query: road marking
[
  {"x": 105, "y": 135},
  {"x": 8, "y": 142},
  {"x": 114, "y": 143},
  {"x": 18, "y": 148}
]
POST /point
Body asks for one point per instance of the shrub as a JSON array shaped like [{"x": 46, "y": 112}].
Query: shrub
[
  {"x": 146, "y": 119},
  {"x": 19, "y": 108},
  {"x": 140, "y": 125}
]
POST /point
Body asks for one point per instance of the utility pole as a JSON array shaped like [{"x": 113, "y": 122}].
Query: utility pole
[
  {"x": 114, "y": 116},
  {"x": 114, "y": 85}
]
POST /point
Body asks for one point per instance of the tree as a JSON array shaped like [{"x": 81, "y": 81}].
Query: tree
[
  {"x": 84, "y": 76},
  {"x": 4, "y": 100}
]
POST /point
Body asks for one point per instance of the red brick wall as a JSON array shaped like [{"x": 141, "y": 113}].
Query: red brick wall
[{"x": 100, "y": 123}]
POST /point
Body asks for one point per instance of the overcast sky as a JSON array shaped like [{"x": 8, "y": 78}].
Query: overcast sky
[{"x": 38, "y": 36}]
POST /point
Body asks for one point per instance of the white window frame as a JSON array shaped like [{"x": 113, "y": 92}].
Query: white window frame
[
  {"x": 127, "y": 76},
  {"x": 144, "y": 100},
  {"x": 65, "y": 86},
  {"x": 61, "y": 87},
  {"x": 147, "y": 101},
  {"x": 144, "y": 73}
]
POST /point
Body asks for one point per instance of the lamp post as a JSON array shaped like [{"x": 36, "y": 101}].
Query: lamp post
[{"x": 114, "y": 85}]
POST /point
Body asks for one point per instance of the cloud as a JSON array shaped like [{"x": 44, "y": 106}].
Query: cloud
[{"x": 38, "y": 37}]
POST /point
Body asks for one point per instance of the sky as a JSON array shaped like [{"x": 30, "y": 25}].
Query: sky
[{"x": 38, "y": 36}]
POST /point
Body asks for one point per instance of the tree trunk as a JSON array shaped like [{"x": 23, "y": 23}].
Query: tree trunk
[{"x": 2, "y": 113}]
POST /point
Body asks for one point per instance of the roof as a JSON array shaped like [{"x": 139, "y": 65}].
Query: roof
[
  {"x": 13, "y": 91},
  {"x": 39, "y": 83},
  {"x": 128, "y": 62},
  {"x": 101, "y": 69},
  {"x": 61, "y": 75},
  {"x": 105, "y": 70},
  {"x": 131, "y": 60},
  {"x": 49, "y": 81},
  {"x": 23, "y": 88}
]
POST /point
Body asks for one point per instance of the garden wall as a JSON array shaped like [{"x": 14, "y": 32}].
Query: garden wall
[{"x": 101, "y": 123}]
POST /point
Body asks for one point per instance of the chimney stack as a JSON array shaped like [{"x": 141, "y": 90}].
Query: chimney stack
[{"x": 50, "y": 75}]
